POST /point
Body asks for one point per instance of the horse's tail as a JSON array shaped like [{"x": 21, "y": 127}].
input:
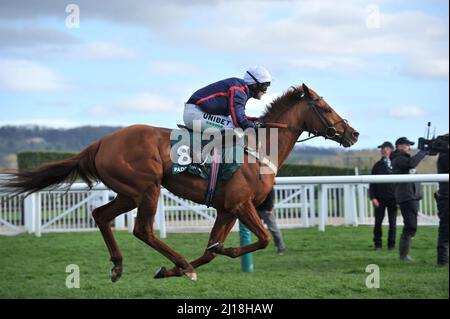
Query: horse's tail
[{"x": 54, "y": 173}]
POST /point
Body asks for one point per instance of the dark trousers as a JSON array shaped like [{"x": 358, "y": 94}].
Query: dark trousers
[
  {"x": 379, "y": 216},
  {"x": 410, "y": 210},
  {"x": 269, "y": 218},
  {"x": 442, "y": 247}
]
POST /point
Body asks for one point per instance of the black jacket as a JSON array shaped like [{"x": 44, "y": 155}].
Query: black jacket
[
  {"x": 267, "y": 205},
  {"x": 404, "y": 163},
  {"x": 442, "y": 165},
  {"x": 381, "y": 191}
]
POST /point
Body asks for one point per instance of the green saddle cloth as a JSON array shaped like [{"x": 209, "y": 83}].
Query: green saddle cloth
[{"x": 232, "y": 157}]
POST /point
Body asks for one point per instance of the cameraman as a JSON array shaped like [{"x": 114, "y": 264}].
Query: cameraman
[
  {"x": 407, "y": 195},
  {"x": 442, "y": 204}
]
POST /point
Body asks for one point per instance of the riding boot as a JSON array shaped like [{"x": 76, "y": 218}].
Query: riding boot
[{"x": 405, "y": 245}]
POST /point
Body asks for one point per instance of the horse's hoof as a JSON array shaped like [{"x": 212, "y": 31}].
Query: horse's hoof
[
  {"x": 215, "y": 247},
  {"x": 191, "y": 275},
  {"x": 115, "y": 274},
  {"x": 160, "y": 273}
]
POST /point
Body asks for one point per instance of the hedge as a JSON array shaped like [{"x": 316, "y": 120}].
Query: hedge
[
  {"x": 311, "y": 170},
  {"x": 33, "y": 159}
]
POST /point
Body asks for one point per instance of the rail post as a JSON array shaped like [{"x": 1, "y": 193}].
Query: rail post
[
  {"x": 322, "y": 206},
  {"x": 37, "y": 214},
  {"x": 304, "y": 207},
  {"x": 362, "y": 204},
  {"x": 161, "y": 216}
]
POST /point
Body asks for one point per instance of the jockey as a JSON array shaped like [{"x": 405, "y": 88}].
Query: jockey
[{"x": 222, "y": 104}]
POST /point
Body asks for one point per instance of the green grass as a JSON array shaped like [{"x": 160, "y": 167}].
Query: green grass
[{"x": 317, "y": 265}]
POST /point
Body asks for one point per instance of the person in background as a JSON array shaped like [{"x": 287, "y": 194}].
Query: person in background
[
  {"x": 442, "y": 204},
  {"x": 265, "y": 212},
  {"x": 407, "y": 195},
  {"x": 382, "y": 196}
]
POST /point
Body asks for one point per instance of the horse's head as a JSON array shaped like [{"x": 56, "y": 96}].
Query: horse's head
[{"x": 322, "y": 120}]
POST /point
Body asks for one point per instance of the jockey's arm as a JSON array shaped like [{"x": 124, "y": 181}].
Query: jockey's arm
[{"x": 237, "y": 102}]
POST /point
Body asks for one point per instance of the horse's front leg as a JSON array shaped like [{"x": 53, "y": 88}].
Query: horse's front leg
[
  {"x": 222, "y": 227},
  {"x": 248, "y": 215}
]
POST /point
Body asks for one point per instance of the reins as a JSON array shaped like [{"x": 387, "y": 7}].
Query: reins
[{"x": 286, "y": 126}]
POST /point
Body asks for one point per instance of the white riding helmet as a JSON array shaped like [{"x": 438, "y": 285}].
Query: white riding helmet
[{"x": 257, "y": 74}]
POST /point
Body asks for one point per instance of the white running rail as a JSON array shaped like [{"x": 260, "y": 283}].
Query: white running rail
[{"x": 299, "y": 202}]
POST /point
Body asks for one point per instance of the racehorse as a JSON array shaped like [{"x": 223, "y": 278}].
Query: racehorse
[{"x": 135, "y": 162}]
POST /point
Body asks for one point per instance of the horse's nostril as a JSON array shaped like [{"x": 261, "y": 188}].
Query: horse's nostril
[{"x": 355, "y": 134}]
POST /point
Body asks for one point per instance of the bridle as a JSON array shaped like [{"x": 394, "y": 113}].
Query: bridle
[{"x": 329, "y": 129}]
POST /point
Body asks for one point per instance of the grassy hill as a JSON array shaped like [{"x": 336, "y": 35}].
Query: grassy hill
[{"x": 15, "y": 139}]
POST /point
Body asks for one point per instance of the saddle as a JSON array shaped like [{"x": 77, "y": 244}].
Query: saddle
[{"x": 206, "y": 159}]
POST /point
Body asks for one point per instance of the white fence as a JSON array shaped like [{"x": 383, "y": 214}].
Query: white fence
[{"x": 299, "y": 202}]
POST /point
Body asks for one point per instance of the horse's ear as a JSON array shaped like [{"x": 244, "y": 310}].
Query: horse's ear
[{"x": 306, "y": 91}]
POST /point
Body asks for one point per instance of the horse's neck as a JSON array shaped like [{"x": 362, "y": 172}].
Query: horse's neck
[
  {"x": 288, "y": 137},
  {"x": 286, "y": 142}
]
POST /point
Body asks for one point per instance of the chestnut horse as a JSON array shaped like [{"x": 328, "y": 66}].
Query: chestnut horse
[{"x": 135, "y": 162}]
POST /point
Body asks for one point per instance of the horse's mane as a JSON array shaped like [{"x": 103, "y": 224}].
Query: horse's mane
[{"x": 282, "y": 103}]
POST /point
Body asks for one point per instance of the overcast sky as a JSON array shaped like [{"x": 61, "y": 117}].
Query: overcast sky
[{"x": 383, "y": 65}]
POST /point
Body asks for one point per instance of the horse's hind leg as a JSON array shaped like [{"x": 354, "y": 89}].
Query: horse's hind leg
[
  {"x": 103, "y": 216},
  {"x": 143, "y": 229}
]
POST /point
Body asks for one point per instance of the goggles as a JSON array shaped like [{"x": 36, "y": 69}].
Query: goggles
[
  {"x": 260, "y": 86},
  {"x": 263, "y": 86}
]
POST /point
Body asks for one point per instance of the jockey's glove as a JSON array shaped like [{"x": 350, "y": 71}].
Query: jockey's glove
[{"x": 259, "y": 124}]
